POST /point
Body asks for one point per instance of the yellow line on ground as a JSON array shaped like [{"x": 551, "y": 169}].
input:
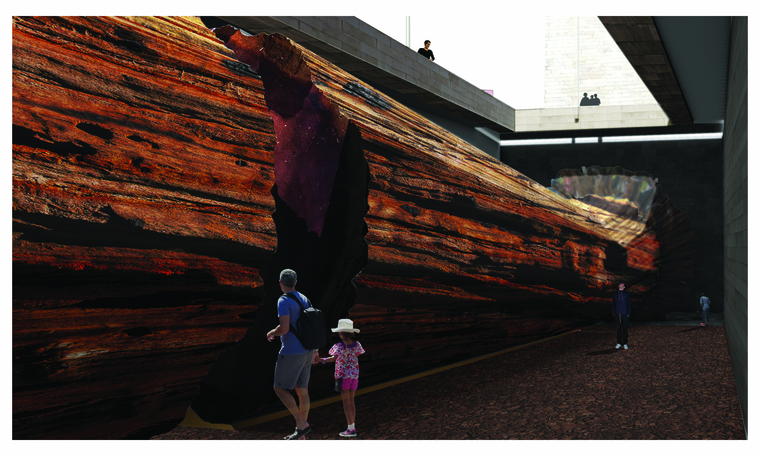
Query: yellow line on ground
[{"x": 193, "y": 420}]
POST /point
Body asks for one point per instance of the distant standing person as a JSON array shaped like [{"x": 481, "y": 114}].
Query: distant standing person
[
  {"x": 426, "y": 51},
  {"x": 621, "y": 310},
  {"x": 293, "y": 367},
  {"x": 704, "y": 303}
]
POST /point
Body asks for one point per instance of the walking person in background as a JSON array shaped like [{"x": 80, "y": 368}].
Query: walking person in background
[
  {"x": 345, "y": 356},
  {"x": 621, "y": 310},
  {"x": 704, "y": 303},
  {"x": 293, "y": 367},
  {"x": 426, "y": 51}
]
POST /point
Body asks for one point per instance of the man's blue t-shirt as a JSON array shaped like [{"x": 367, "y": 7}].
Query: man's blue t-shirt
[{"x": 287, "y": 306}]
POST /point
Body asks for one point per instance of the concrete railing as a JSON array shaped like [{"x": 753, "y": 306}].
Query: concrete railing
[{"x": 590, "y": 117}]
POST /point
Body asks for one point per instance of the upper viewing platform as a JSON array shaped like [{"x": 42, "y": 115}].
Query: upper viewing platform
[{"x": 383, "y": 62}]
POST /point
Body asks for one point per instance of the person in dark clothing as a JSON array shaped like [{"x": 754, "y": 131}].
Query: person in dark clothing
[
  {"x": 621, "y": 310},
  {"x": 426, "y": 51}
]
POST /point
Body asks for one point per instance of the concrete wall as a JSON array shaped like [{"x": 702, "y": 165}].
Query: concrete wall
[
  {"x": 690, "y": 174},
  {"x": 604, "y": 70},
  {"x": 628, "y": 116},
  {"x": 735, "y": 208}
]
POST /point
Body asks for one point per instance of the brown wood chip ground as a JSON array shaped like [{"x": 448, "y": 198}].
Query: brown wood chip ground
[{"x": 674, "y": 382}]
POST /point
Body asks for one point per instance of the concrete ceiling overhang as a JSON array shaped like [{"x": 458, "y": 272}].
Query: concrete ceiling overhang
[
  {"x": 683, "y": 61},
  {"x": 698, "y": 48}
]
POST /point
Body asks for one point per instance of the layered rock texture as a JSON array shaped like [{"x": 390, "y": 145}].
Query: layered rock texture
[
  {"x": 142, "y": 168},
  {"x": 164, "y": 174},
  {"x": 638, "y": 196}
]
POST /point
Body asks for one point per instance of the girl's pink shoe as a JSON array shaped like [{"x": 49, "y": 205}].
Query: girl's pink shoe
[{"x": 347, "y": 433}]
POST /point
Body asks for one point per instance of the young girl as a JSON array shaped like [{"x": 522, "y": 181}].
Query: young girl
[{"x": 345, "y": 356}]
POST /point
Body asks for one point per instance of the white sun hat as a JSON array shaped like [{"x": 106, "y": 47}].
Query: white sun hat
[{"x": 345, "y": 325}]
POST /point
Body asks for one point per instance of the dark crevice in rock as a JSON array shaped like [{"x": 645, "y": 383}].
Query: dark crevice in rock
[
  {"x": 676, "y": 240},
  {"x": 247, "y": 316},
  {"x": 137, "y": 332},
  {"x": 95, "y": 130},
  {"x": 241, "y": 68},
  {"x": 118, "y": 231},
  {"x": 616, "y": 258},
  {"x": 137, "y": 138},
  {"x": 25, "y": 137},
  {"x": 212, "y": 22},
  {"x": 321, "y": 191},
  {"x": 127, "y": 39},
  {"x": 370, "y": 96},
  {"x": 466, "y": 207}
]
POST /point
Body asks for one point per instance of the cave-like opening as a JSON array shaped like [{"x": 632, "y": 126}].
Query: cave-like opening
[{"x": 320, "y": 192}]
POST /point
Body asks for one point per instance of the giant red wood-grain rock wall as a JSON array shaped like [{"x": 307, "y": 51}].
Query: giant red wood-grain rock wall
[
  {"x": 465, "y": 255},
  {"x": 146, "y": 173},
  {"x": 471, "y": 244},
  {"x": 142, "y": 165}
]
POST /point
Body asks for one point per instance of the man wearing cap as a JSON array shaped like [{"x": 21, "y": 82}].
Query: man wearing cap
[
  {"x": 293, "y": 367},
  {"x": 621, "y": 310}
]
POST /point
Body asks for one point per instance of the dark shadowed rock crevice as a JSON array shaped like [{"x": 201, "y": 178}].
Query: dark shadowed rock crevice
[{"x": 320, "y": 194}]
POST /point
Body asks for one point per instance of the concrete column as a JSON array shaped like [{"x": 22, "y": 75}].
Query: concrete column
[{"x": 735, "y": 209}]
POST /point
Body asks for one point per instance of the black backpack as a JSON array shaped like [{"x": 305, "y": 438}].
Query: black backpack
[{"x": 311, "y": 325}]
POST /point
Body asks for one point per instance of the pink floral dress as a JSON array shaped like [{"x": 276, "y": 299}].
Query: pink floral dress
[{"x": 346, "y": 361}]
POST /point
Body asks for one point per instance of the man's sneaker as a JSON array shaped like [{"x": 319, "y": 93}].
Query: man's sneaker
[
  {"x": 625, "y": 346},
  {"x": 617, "y": 346},
  {"x": 702, "y": 324},
  {"x": 348, "y": 433}
]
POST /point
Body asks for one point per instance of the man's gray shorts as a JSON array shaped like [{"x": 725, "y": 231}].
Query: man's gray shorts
[{"x": 293, "y": 371}]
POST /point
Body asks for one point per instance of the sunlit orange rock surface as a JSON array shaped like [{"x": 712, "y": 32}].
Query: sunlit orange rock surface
[{"x": 142, "y": 165}]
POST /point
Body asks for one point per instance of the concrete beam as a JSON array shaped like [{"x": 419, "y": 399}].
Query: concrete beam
[{"x": 637, "y": 37}]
